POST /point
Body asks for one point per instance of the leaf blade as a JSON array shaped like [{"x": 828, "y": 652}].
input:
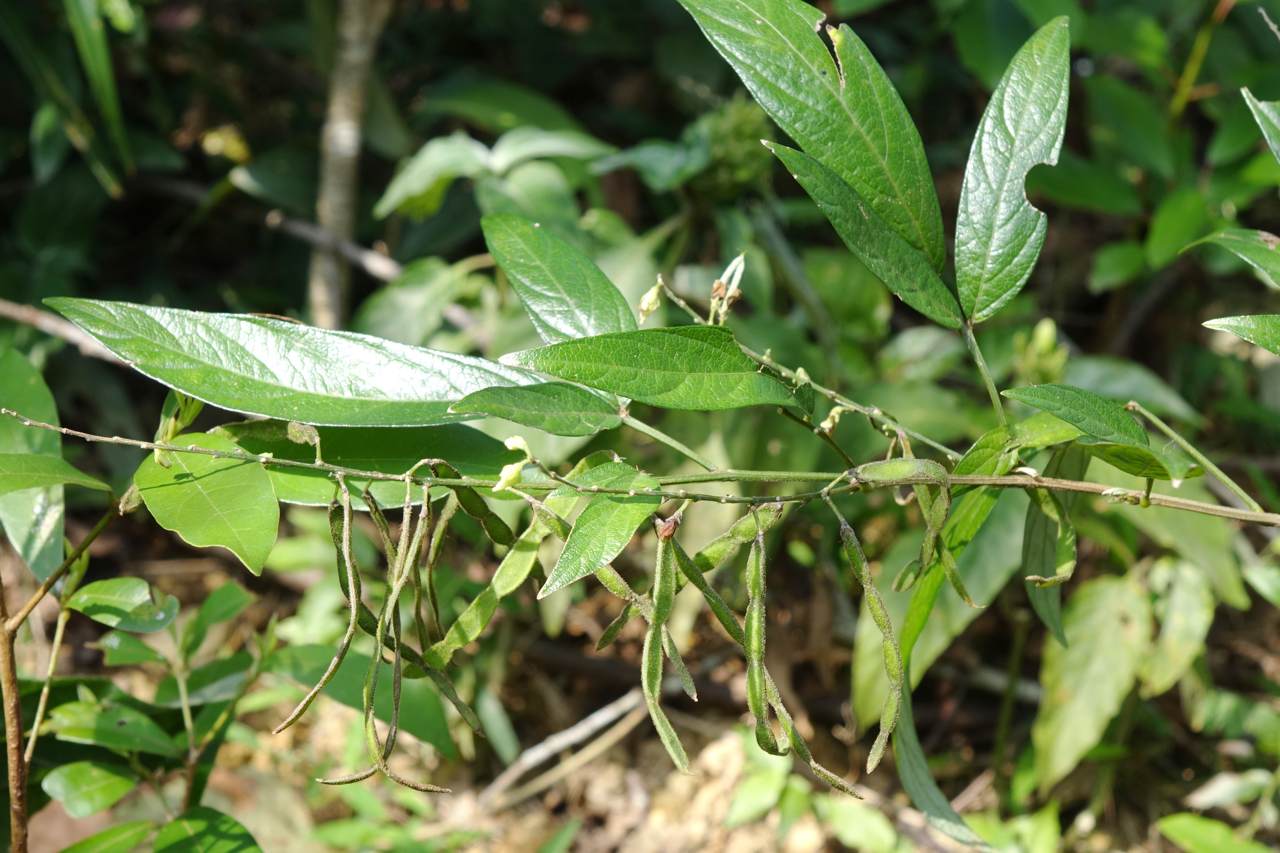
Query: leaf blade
[
  {"x": 553, "y": 407},
  {"x": 22, "y": 471}
]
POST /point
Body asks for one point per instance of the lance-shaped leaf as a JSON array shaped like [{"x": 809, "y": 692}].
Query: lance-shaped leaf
[
  {"x": 212, "y": 501},
  {"x": 553, "y": 407},
  {"x": 22, "y": 471},
  {"x": 1260, "y": 329},
  {"x": 1258, "y": 249},
  {"x": 998, "y": 232},
  {"x": 605, "y": 525},
  {"x": 1108, "y": 628},
  {"x": 1267, "y": 115},
  {"x": 688, "y": 367},
  {"x": 85, "y": 19},
  {"x": 563, "y": 291},
  {"x": 901, "y": 266},
  {"x": 124, "y": 603},
  {"x": 842, "y": 110},
  {"x": 275, "y": 368}
]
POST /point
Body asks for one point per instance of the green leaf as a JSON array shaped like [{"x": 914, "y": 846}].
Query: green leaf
[
  {"x": 998, "y": 232},
  {"x": 22, "y": 471},
  {"x": 1260, "y": 329},
  {"x": 1049, "y": 538},
  {"x": 419, "y": 187},
  {"x": 279, "y": 369},
  {"x": 605, "y": 525},
  {"x": 842, "y": 110},
  {"x": 1081, "y": 184},
  {"x": 95, "y": 56},
  {"x": 552, "y": 407},
  {"x": 121, "y": 838},
  {"x": 387, "y": 451},
  {"x": 121, "y": 649},
  {"x": 1197, "y": 834},
  {"x": 857, "y": 825},
  {"x": 1178, "y": 220},
  {"x": 205, "y": 830},
  {"x": 1108, "y": 628},
  {"x": 687, "y": 367},
  {"x": 87, "y": 787},
  {"x": 902, "y": 267},
  {"x": 219, "y": 680},
  {"x": 1267, "y": 115},
  {"x": 1115, "y": 265},
  {"x": 211, "y": 501},
  {"x": 222, "y": 605},
  {"x": 1123, "y": 380},
  {"x": 534, "y": 143},
  {"x": 1258, "y": 249},
  {"x": 1184, "y": 608},
  {"x": 124, "y": 603},
  {"x": 116, "y": 727},
  {"x": 1130, "y": 123},
  {"x": 564, "y": 293},
  {"x": 32, "y": 519},
  {"x": 410, "y": 309},
  {"x": 495, "y": 105},
  {"x": 1093, "y": 415}
]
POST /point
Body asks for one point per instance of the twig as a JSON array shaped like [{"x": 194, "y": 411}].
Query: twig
[
  {"x": 13, "y": 623},
  {"x": 10, "y": 695},
  {"x": 1190, "y": 449},
  {"x": 985, "y": 372},
  {"x": 55, "y": 326}
]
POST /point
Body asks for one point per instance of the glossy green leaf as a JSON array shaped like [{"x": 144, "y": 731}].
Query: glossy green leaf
[
  {"x": 222, "y": 605},
  {"x": 1258, "y": 249},
  {"x": 219, "y": 680},
  {"x": 205, "y": 830},
  {"x": 95, "y": 57},
  {"x": 211, "y": 501},
  {"x": 841, "y": 109},
  {"x": 1108, "y": 626},
  {"x": 124, "y": 603},
  {"x": 419, "y": 187},
  {"x": 121, "y": 649},
  {"x": 116, "y": 727},
  {"x": 387, "y": 451},
  {"x": 552, "y": 407},
  {"x": 605, "y": 525},
  {"x": 1259, "y": 329},
  {"x": 87, "y": 787},
  {"x": 279, "y": 369},
  {"x": 1184, "y": 609},
  {"x": 687, "y": 367},
  {"x": 901, "y": 266},
  {"x": 122, "y": 838},
  {"x": 1267, "y": 115},
  {"x": 32, "y": 519},
  {"x": 22, "y": 471},
  {"x": 564, "y": 293},
  {"x": 1093, "y": 415},
  {"x": 998, "y": 232}
]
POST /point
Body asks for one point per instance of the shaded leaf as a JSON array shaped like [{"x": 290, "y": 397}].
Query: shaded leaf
[
  {"x": 222, "y": 605},
  {"x": 419, "y": 187},
  {"x": 1184, "y": 609},
  {"x": 553, "y": 407},
  {"x": 87, "y": 787},
  {"x": 121, "y": 649},
  {"x": 122, "y": 838},
  {"x": 117, "y": 727},
  {"x": 1258, "y": 249},
  {"x": 124, "y": 603},
  {"x": 535, "y": 143},
  {"x": 1197, "y": 834},
  {"x": 22, "y": 471}
]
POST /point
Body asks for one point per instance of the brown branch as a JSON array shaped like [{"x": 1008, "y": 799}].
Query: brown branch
[
  {"x": 17, "y": 764},
  {"x": 55, "y": 326}
]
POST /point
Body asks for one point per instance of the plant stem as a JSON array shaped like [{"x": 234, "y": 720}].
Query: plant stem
[
  {"x": 1195, "y": 58},
  {"x": 972, "y": 343},
  {"x": 13, "y": 623},
  {"x": 1158, "y": 423},
  {"x": 17, "y": 763},
  {"x": 1004, "y": 721},
  {"x": 660, "y": 436}
]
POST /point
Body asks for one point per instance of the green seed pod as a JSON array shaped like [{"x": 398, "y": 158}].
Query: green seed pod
[
  {"x": 897, "y": 470},
  {"x": 757, "y": 696},
  {"x": 651, "y": 683},
  {"x": 743, "y": 532},
  {"x": 614, "y": 628},
  {"x": 664, "y": 581},
  {"x": 723, "y": 613},
  {"x": 476, "y": 507}
]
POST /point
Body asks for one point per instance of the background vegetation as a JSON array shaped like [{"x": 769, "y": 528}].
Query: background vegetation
[{"x": 176, "y": 154}]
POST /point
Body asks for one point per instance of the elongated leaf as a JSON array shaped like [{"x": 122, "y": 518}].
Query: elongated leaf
[
  {"x": 1108, "y": 628},
  {"x": 998, "y": 232},
  {"x": 902, "y": 267},
  {"x": 205, "y": 830},
  {"x": 387, "y": 451},
  {"x": 1122, "y": 380},
  {"x": 1184, "y": 609},
  {"x": 688, "y": 367},
  {"x": 1198, "y": 834},
  {"x": 563, "y": 291},
  {"x": 843, "y": 111},
  {"x": 95, "y": 55},
  {"x": 605, "y": 525},
  {"x": 535, "y": 143},
  {"x": 211, "y": 501},
  {"x": 1049, "y": 539},
  {"x": 418, "y": 188},
  {"x": 1260, "y": 329},
  {"x": 31, "y": 519},
  {"x": 87, "y": 787},
  {"x": 284, "y": 370},
  {"x": 913, "y": 771},
  {"x": 1258, "y": 249},
  {"x": 222, "y": 605},
  {"x": 121, "y": 649},
  {"x": 124, "y": 603},
  {"x": 22, "y": 471},
  {"x": 121, "y": 838},
  {"x": 115, "y": 727},
  {"x": 1093, "y": 415},
  {"x": 1267, "y": 115},
  {"x": 552, "y": 407}
]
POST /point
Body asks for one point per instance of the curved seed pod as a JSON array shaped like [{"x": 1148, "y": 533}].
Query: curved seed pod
[
  {"x": 664, "y": 581},
  {"x": 853, "y": 552},
  {"x": 953, "y": 576},
  {"x": 682, "y": 672},
  {"x": 349, "y": 580},
  {"x": 897, "y": 470},
  {"x": 742, "y": 532},
  {"x": 476, "y": 507},
  {"x": 798, "y": 746},
  {"x": 907, "y": 577},
  {"x": 723, "y": 613},
  {"x": 651, "y": 682},
  {"x": 757, "y": 701}
]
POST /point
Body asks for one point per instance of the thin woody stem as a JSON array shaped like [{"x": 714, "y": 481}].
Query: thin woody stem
[{"x": 14, "y": 622}]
